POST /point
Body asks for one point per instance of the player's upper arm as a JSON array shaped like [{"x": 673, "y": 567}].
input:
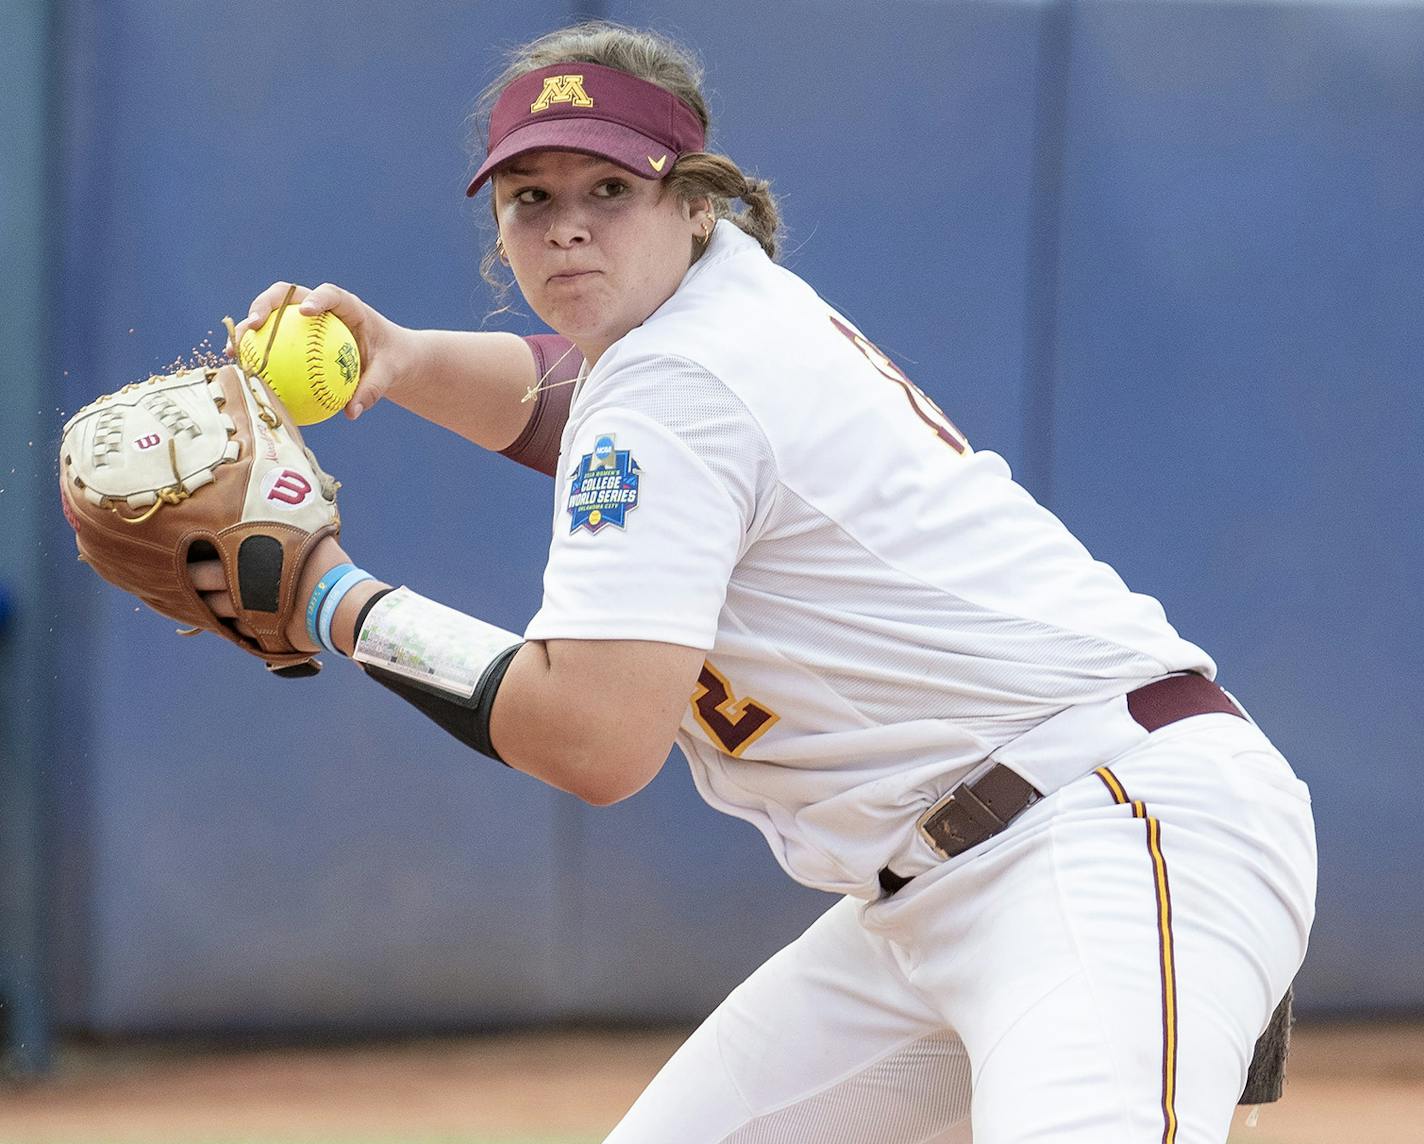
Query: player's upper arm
[
  {"x": 664, "y": 478},
  {"x": 662, "y": 486}
]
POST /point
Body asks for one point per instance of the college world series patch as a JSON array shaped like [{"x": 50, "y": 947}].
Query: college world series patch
[{"x": 605, "y": 487}]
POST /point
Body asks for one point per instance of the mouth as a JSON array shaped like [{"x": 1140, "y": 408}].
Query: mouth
[{"x": 567, "y": 276}]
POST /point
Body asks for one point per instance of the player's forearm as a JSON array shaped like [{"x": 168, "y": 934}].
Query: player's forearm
[
  {"x": 544, "y": 729},
  {"x": 471, "y": 383},
  {"x": 593, "y": 718}
]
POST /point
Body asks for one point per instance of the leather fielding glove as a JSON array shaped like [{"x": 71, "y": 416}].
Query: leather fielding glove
[{"x": 199, "y": 465}]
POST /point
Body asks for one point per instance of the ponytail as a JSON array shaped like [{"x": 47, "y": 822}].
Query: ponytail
[{"x": 701, "y": 174}]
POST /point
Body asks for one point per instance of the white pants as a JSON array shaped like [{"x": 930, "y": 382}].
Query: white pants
[{"x": 1098, "y": 973}]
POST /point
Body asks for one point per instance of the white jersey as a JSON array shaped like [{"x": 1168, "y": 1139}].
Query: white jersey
[{"x": 881, "y": 605}]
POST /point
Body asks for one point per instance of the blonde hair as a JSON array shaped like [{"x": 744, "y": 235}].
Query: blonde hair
[{"x": 656, "y": 58}]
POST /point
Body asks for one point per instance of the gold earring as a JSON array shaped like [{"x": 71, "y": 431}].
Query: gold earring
[{"x": 499, "y": 249}]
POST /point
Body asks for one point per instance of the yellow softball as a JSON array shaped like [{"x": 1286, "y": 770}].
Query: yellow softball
[{"x": 312, "y": 364}]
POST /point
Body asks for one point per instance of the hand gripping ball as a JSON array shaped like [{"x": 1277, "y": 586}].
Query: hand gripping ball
[{"x": 309, "y": 361}]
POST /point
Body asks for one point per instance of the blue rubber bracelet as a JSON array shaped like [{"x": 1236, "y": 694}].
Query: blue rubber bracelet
[
  {"x": 332, "y": 601},
  {"x": 323, "y": 586}
]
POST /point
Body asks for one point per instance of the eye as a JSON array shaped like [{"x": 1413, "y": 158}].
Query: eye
[
  {"x": 530, "y": 195},
  {"x": 610, "y": 188}
]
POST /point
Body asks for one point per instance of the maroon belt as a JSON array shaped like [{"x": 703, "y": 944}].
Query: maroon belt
[{"x": 973, "y": 812}]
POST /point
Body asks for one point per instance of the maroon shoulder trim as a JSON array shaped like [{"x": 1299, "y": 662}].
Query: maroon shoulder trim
[{"x": 555, "y": 360}]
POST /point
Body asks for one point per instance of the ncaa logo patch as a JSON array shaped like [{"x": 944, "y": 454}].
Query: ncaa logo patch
[{"x": 605, "y": 487}]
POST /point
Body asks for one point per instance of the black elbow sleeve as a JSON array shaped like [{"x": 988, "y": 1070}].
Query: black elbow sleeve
[{"x": 467, "y": 719}]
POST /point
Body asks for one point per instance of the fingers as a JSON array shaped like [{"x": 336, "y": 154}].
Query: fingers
[
  {"x": 262, "y": 306},
  {"x": 329, "y": 296},
  {"x": 366, "y": 395},
  {"x": 210, "y": 580},
  {"x": 222, "y": 607},
  {"x": 208, "y": 576},
  {"x": 220, "y": 603}
]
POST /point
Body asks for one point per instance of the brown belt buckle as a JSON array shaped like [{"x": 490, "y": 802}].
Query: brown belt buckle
[{"x": 975, "y": 810}]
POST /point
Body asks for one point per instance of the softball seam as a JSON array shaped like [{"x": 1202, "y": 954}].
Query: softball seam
[{"x": 316, "y": 374}]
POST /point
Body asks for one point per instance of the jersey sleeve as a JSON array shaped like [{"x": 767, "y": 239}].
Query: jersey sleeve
[
  {"x": 557, "y": 363},
  {"x": 654, "y": 506}
]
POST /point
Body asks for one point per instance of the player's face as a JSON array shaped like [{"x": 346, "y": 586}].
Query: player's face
[{"x": 595, "y": 250}]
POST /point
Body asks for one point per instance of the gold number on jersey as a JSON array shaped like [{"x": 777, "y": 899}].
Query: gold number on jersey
[
  {"x": 733, "y": 724},
  {"x": 925, "y": 408}
]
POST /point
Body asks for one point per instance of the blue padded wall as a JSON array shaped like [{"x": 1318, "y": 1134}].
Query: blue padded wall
[
  {"x": 28, "y": 659},
  {"x": 1238, "y": 401}
]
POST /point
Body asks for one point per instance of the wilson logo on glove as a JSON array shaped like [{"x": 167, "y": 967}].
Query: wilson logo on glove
[{"x": 288, "y": 489}]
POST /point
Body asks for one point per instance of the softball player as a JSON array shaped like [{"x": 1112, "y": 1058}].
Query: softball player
[{"x": 1076, "y": 877}]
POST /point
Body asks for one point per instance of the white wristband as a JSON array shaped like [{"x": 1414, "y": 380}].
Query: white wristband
[{"x": 408, "y": 635}]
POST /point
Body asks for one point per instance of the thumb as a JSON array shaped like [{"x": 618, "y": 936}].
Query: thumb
[{"x": 367, "y": 394}]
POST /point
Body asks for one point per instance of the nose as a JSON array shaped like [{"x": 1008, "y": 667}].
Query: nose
[{"x": 568, "y": 229}]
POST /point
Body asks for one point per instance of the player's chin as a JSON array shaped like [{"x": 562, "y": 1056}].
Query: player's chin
[
  {"x": 580, "y": 319},
  {"x": 575, "y": 295}
]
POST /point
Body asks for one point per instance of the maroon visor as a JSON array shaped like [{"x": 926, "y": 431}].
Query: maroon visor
[{"x": 595, "y": 110}]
